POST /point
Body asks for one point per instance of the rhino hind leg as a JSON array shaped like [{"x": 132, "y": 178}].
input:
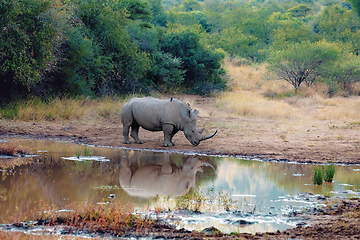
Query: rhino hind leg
[
  {"x": 135, "y": 133},
  {"x": 126, "y": 133}
]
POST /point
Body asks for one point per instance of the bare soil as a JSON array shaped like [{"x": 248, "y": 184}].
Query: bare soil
[{"x": 301, "y": 139}]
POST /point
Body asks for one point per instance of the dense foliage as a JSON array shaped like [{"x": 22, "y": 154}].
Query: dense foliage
[{"x": 106, "y": 47}]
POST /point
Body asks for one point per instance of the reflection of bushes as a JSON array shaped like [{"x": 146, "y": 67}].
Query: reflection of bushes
[{"x": 11, "y": 149}]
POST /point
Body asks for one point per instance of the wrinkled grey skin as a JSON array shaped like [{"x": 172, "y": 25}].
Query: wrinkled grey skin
[
  {"x": 165, "y": 179},
  {"x": 169, "y": 116}
]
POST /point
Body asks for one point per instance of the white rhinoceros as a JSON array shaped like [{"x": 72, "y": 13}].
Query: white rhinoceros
[{"x": 168, "y": 116}]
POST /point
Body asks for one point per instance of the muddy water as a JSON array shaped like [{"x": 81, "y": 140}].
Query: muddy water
[{"x": 238, "y": 195}]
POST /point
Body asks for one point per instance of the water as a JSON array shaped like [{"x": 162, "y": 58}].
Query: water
[{"x": 237, "y": 195}]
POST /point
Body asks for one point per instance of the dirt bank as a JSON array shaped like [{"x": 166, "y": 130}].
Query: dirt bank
[{"x": 299, "y": 138}]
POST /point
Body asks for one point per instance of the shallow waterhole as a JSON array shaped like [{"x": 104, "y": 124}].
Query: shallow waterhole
[{"x": 232, "y": 195}]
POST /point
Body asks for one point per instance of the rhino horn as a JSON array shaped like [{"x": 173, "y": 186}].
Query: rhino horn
[
  {"x": 201, "y": 130},
  {"x": 206, "y": 164},
  {"x": 199, "y": 166},
  {"x": 208, "y": 137}
]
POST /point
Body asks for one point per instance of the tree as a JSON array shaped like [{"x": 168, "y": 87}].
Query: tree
[
  {"x": 158, "y": 17},
  {"x": 137, "y": 9},
  {"x": 202, "y": 66},
  {"x": 190, "y": 5},
  {"x": 356, "y": 5},
  {"x": 302, "y": 62},
  {"x": 338, "y": 24},
  {"x": 106, "y": 22},
  {"x": 236, "y": 43},
  {"x": 344, "y": 72},
  {"x": 300, "y": 10},
  {"x": 167, "y": 73},
  {"x": 30, "y": 34},
  {"x": 288, "y": 29}
]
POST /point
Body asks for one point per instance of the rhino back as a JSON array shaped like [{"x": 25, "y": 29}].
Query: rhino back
[{"x": 151, "y": 113}]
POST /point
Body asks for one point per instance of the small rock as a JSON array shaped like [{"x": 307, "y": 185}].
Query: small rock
[{"x": 211, "y": 230}]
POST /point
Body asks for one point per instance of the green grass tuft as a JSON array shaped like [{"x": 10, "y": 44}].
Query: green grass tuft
[
  {"x": 318, "y": 176},
  {"x": 329, "y": 173}
]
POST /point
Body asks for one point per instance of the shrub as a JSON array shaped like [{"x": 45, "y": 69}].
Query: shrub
[{"x": 200, "y": 64}]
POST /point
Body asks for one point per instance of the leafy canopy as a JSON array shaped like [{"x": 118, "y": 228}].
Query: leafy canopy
[{"x": 302, "y": 62}]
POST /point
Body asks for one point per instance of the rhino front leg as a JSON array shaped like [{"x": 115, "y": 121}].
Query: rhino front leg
[{"x": 168, "y": 130}]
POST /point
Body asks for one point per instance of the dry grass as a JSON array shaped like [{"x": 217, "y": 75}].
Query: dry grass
[
  {"x": 23, "y": 236},
  {"x": 245, "y": 77},
  {"x": 255, "y": 78},
  {"x": 63, "y": 109},
  {"x": 115, "y": 218},
  {"x": 52, "y": 110},
  {"x": 248, "y": 103},
  {"x": 346, "y": 109}
]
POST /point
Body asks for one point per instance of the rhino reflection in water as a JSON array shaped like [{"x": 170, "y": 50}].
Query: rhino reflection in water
[{"x": 154, "y": 179}]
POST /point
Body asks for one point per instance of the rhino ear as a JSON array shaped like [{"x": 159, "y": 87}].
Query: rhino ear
[
  {"x": 189, "y": 113},
  {"x": 171, "y": 99},
  {"x": 196, "y": 112}
]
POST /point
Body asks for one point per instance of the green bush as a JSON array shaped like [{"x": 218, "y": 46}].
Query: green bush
[{"x": 201, "y": 65}]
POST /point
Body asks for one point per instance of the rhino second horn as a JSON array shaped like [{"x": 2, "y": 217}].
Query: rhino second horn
[{"x": 208, "y": 137}]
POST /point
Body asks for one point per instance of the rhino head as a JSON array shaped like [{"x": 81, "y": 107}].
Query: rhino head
[
  {"x": 187, "y": 174},
  {"x": 194, "y": 135}
]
